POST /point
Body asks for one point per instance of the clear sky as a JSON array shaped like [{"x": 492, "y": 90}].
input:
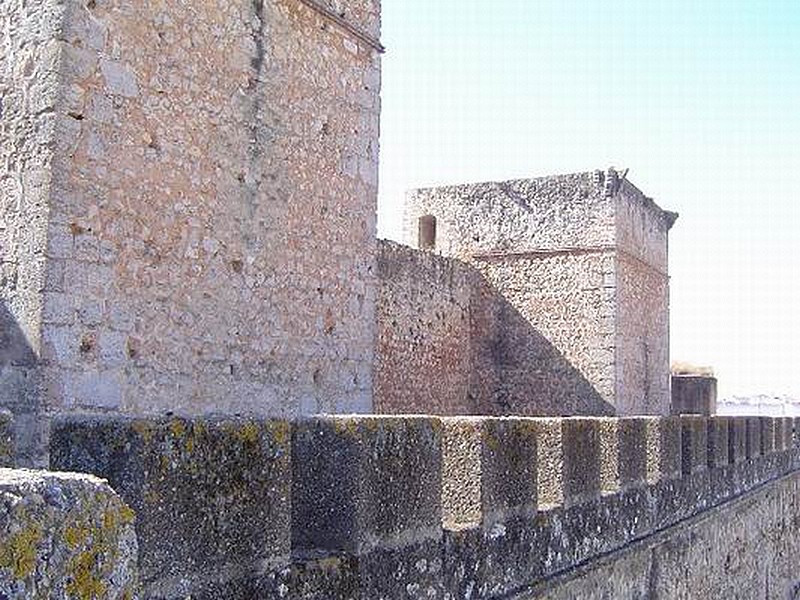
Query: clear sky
[{"x": 700, "y": 99}]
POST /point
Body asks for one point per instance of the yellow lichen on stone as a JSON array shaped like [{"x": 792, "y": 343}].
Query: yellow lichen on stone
[
  {"x": 248, "y": 433},
  {"x": 143, "y": 429},
  {"x": 177, "y": 427},
  {"x": 75, "y": 536},
  {"x": 18, "y": 552},
  {"x": 85, "y": 584},
  {"x": 281, "y": 432}
]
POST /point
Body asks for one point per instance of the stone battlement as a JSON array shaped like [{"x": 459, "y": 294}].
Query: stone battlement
[{"x": 417, "y": 507}]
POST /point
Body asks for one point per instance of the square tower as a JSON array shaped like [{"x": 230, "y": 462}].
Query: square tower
[
  {"x": 579, "y": 266},
  {"x": 188, "y": 201}
]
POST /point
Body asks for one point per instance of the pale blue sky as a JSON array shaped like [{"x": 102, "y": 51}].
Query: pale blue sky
[{"x": 700, "y": 100}]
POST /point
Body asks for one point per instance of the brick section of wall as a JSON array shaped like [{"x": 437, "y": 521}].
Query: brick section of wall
[
  {"x": 210, "y": 221},
  {"x": 427, "y": 307}
]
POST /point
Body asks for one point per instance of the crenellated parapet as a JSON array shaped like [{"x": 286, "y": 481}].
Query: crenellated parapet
[{"x": 412, "y": 507}]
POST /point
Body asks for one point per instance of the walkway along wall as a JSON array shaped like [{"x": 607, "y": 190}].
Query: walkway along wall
[{"x": 427, "y": 507}]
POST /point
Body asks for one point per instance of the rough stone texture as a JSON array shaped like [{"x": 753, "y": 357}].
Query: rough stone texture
[
  {"x": 694, "y": 395},
  {"x": 580, "y": 264},
  {"x": 624, "y": 453},
  {"x": 369, "y": 508},
  {"x": 550, "y": 463},
  {"x": 462, "y": 483},
  {"x": 64, "y": 536},
  {"x": 663, "y": 448},
  {"x": 642, "y": 317},
  {"x": 29, "y": 88},
  {"x": 188, "y": 206},
  {"x": 753, "y": 445},
  {"x": 694, "y": 444},
  {"x": 6, "y": 439},
  {"x": 369, "y": 488},
  {"x": 737, "y": 441},
  {"x": 745, "y": 549},
  {"x": 768, "y": 434},
  {"x": 212, "y": 497},
  {"x": 430, "y": 332},
  {"x": 581, "y": 443},
  {"x": 719, "y": 441},
  {"x": 489, "y": 471}
]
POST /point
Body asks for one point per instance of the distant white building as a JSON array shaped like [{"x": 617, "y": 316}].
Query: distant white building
[{"x": 761, "y": 405}]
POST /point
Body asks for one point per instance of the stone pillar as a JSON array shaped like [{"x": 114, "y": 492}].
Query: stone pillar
[{"x": 694, "y": 395}]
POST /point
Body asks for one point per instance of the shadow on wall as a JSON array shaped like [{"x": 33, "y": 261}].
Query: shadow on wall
[
  {"x": 451, "y": 344},
  {"x": 15, "y": 351},
  {"x": 20, "y": 383},
  {"x": 530, "y": 376}
]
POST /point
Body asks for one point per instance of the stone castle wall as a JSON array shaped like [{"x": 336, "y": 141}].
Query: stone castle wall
[
  {"x": 204, "y": 233},
  {"x": 426, "y": 507},
  {"x": 578, "y": 265},
  {"x": 429, "y": 315},
  {"x": 642, "y": 284}
]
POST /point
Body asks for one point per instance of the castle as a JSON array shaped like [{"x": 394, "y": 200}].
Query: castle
[{"x": 194, "y": 306}]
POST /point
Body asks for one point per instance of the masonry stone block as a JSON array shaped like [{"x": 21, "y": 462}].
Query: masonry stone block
[
  {"x": 462, "y": 483},
  {"x": 737, "y": 440},
  {"x": 694, "y": 444},
  {"x": 509, "y": 483},
  {"x": 718, "y": 441},
  {"x": 753, "y": 437},
  {"x": 367, "y": 490},
  {"x": 788, "y": 432},
  {"x": 581, "y": 439},
  {"x": 797, "y": 432},
  {"x": 212, "y": 496},
  {"x": 767, "y": 435},
  {"x": 549, "y": 463},
  {"x": 64, "y": 536},
  {"x": 623, "y": 453},
  {"x": 663, "y": 448},
  {"x": 780, "y": 434},
  {"x": 363, "y": 483},
  {"x": 6, "y": 439}
]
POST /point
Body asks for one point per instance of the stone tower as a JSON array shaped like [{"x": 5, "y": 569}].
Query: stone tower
[
  {"x": 187, "y": 205},
  {"x": 579, "y": 263}
]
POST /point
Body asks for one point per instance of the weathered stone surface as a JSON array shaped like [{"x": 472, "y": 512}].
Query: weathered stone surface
[
  {"x": 581, "y": 263},
  {"x": 549, "y": 463},
  {"x": 581, "y": 446},
  {"x": 744, "y": 549},
  {"x": 664, "y": 450},
  {"x": 737, "y": 440},
  {"x": 370, "y": 488},
  {"x": 694, "y": 444},
  {"x": 6, "y": 439},
  {"x": 212, "y": 496},
  {"x": 753, "y": 437},
  {"x": 489, "y": 471},
  {"x": 188, "y": 220},
  {"x": 718, "y": 441},
  {"x": 432, "y": 338},
  {"x": 767, "y": 435},
  {"x": 64, "y": 536},
  {"x": 462, "y": 468},
  {"x": 623, "y": 453},
  {"x": 694, "y": 395}
]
